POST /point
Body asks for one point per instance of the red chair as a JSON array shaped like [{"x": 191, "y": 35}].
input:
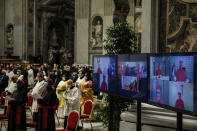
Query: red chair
[
  {"x": 88, "y": 106},
  {"x": 33, "y": 124},
  {"x": 73, "y": 118},
  {"x": 2, "y": 101},
  {"x": 5, "y": 117},
  {"x": 55, "y": 107},
  {"x": 29, "y": 104}
]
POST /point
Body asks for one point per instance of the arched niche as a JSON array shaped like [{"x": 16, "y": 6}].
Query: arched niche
[{"x": 96, "y": 41}]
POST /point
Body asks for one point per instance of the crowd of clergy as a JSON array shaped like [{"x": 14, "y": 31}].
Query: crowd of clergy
[{"x": 54, "y": 88}]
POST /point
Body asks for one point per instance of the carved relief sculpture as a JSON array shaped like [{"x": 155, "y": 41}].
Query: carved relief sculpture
[{"x": 181, "y": 25}]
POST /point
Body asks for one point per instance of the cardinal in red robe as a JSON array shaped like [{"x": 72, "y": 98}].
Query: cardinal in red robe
[
  {"x": 126, "y": 86},
  {"x": 122, "y": 70},
  {"x": 179, "y": 102},
  {"x": 99, "y": 71},
  {"x": 140, "y": 72},
  {"x": 158, "y": 72},
  {"x": 180, "y": 74},
  {"x": 158, "y": 94},
  {"x": 104, "y": 84},
  {"x": 134, "y": 89}
]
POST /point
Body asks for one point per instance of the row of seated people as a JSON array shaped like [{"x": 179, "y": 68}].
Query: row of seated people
[{"x": 70, "y": 94}]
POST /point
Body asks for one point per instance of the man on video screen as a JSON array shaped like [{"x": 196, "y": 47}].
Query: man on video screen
[
  {"x": 127, "y": 85},
  {"x": 112, "y": 67},
  {"x": 181, "y": 74},
  {"x": 158, "y": 95},
  {"x": 134, "y": 86},
  {"x": 179, "y": 102},
  {"x": 140, "y": 72},
  {"x": 99, "y": 71},
  {"x": 104, "y": 84},
  {"x": 158, "y": 72}
]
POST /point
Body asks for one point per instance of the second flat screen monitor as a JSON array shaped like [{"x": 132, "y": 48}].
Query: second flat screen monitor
[{"x": 132, "y": 72}]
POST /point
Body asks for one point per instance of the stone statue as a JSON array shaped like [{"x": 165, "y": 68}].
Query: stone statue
[
  {"x": 97, "y": 32},
  {"x": 10, "y": 40},
  {"x": 50, "y": 54},
  {"x": 53, "y": 39}
]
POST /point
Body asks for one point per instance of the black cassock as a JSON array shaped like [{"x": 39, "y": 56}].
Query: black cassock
[
  {"x": 17, "y": 115},
  {"x": 46, "y": 110}
]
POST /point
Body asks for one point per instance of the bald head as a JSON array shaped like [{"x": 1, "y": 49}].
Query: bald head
[{"x": 70, "y": 82}]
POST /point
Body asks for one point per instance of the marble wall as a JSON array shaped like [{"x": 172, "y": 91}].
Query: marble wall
[
  {"x": 2, "y": 29},
  {"x": 13, "y": 15},
  {"x": 86, "y": 11},
  {"x": 11, "y": 12}
]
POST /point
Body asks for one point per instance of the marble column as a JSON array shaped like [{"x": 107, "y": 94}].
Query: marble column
[
  {"x": 150, "y": 17},
  {"x": 2, "y": 27},
  {"x": 146, "y": 26},
  {"x": 44, "y": 47}
]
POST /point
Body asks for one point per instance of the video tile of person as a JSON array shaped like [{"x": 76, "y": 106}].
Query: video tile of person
[
  {"x": 132, "y": 71},
  {"x": 104, "y": 71},
  {"x": 135, "y": 69},
  {"x": 159, "y": 68}
]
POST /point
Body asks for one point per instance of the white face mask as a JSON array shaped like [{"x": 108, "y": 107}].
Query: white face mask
[
  {"x": 68, "y": 86},
  {"x": 85, "y": 78},
  {"x": 63, "y": 78}
]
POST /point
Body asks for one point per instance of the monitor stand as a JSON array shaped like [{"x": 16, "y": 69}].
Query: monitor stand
[
  {"x": 179, "y": 121},
  {"x": 138, "y": 123}
]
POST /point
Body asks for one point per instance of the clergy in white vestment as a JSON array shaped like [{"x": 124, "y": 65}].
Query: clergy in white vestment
[
  {"x": 72, "y": 98},
  {"x": 30, "y": 76},
  {"x": 36, "y": 93},
  {"x": 81, "y": 79},
  {"x": 10, "y": 74},
  {"x": 12, "y": 85}
]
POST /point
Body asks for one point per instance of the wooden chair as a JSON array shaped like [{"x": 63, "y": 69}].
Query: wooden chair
[{"x": 73, "y": 119}]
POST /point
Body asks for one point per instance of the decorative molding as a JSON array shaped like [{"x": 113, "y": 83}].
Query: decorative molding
[
  {"x": 95, "y": 51},
  {"x": 190, "y": 1},
  {"x": 188, "y": 14}
]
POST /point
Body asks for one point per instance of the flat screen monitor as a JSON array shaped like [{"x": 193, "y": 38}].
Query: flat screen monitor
[
  {"x": 173, "y": 82},
  {"x": 105, "y": 73},
  {"x": 132, "y": 72}
]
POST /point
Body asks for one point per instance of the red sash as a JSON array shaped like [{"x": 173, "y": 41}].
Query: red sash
[
  {"x": 18, "y": 116},
  {"x": 44, "y": 116}
]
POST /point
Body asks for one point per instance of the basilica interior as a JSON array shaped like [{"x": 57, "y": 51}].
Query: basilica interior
[{"x": 69, "y": 33}]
